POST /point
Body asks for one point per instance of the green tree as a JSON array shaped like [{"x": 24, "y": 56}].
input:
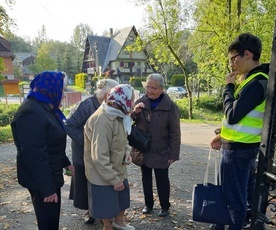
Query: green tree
[
  {"x": 5, "y": 21},
  {"x": 78, "y": 40},
  {"x": 4, "y": 18},
  {"x": 63, "y": 54},
  {"x": 217, "y": 23},
  {"x": 18, "y": 44},
  {"x": 40, "y": 38},
  {"x": 43, "y": 62},
  {"x": 17, "y": 72},
  {"x": 164, "y": 32},
  {"x": 69, "y": 65}
]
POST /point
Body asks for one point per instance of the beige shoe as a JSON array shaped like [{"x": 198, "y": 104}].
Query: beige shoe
[{"x": 118, "y": 227}]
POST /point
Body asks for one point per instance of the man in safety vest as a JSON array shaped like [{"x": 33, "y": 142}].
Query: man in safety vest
[{"x": 240, "y": 134}]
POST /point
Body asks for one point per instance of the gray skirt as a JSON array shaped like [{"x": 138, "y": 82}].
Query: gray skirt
[{"x": 105, "y": 202}]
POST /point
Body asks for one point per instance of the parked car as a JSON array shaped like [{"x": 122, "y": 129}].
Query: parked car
[{"x": 177, "y": 91}]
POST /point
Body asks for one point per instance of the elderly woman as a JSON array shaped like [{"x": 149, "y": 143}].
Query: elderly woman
[
  {"x": 161, "y": 117},
  {"x": 105, "y": 155},
  {"x": 40, "y": 139},
  {"x": 74, "y": 128}
]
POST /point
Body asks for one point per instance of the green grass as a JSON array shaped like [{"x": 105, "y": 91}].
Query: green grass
[
  {"x": 76, "y": 88},
  {"x": 204, "y": 115}
]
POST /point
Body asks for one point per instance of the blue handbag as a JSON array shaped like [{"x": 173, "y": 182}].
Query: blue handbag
[{"x": 209, "y": 205}]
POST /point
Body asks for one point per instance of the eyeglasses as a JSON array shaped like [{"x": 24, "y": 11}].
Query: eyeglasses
[
  {"x": 152, "y": 88},
  {"x": 232, "y": 59}
]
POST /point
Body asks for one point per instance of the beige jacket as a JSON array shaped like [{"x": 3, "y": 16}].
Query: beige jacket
[{"x": 105, "y": 145}]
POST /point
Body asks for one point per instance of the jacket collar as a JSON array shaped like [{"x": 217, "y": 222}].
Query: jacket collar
[{"x": 164, "y": 104}]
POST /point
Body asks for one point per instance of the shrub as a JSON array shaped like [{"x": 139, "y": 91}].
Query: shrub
[
  {"x": 5, "y": 134},
  {"x": 80, "y": 79},
  {"x": 183, "y": 108},
  {"x": 178, "y": 80},
  {"x": 213, "y": 103},
  {"x": 6, "y": 113},
  {"x": 137, "y": 81},
  {"x": 204, "y": 109}
]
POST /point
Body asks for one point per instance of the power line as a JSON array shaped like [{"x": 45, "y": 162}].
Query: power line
[{"x": 48, "y": 12}]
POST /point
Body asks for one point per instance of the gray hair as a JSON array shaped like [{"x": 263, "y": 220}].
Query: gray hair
[
  {"x": 104, "y": 86},
  {"x": 157, "y": 77}
]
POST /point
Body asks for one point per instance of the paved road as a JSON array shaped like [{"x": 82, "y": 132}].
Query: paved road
[{"x": 16, "y": 210}]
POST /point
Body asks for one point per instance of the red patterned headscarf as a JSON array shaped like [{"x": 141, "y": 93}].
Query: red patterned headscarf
[{"x": 120, "y": 97}]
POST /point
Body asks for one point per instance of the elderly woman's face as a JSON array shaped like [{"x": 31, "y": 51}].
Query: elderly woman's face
[{"x": 154, "y": 90}]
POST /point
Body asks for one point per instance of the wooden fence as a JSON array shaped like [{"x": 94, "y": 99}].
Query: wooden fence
[{"x": 71, "y": 98}]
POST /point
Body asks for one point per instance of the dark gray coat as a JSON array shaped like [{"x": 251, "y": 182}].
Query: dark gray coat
[
  {"x": 75, "y": 123},
  {"x": 164, "y": 125}
]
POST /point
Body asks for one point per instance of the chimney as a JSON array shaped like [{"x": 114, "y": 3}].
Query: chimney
[{"x": 111, "y": 32}]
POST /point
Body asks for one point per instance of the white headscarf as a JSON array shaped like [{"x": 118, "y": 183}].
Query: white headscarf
[{"x": 118, "y": 103}]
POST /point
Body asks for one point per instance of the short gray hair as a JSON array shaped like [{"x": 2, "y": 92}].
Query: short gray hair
[
  {"x": 157, "y": 77},
  {"x": 104, "y": 86}
]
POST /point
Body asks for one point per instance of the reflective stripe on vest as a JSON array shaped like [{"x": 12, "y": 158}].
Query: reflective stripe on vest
[{"x": 249, "y": 128}]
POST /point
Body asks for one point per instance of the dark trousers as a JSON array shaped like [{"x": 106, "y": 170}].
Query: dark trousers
[
  {"x": 162, "y": 184},
  {"x": 238, "y": 182},
  {"x": 47, "y": 214}
]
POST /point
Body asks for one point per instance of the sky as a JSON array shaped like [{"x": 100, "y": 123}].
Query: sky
[{"x": 60, "y": 17}]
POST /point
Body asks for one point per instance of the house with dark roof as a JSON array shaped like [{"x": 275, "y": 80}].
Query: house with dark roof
[
  {"x": 22, "y": 62},
  {"x": 8, "y": 56},
  {"x": 108, "y": 55}
]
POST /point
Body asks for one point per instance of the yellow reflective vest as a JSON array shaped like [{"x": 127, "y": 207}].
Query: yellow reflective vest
[{"x": 249, "y": 128}]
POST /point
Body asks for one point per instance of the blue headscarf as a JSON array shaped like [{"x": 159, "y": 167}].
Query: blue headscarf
[{"x": 48, "y": 87}]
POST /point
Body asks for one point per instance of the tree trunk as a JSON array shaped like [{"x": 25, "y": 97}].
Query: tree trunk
[{"x": 181, "y": 64}]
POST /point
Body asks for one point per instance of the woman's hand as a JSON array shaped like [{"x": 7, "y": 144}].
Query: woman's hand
[
  {"x": 216, "y": 142},
  {"x": 138, "y": 108},
  {"x": 127, "y": 160},
  {"x": 119, "y": 187},
  {"x": 51, "y": 199}
]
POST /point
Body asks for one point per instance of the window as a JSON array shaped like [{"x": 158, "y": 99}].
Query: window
[{"x": 125, "y": 64}]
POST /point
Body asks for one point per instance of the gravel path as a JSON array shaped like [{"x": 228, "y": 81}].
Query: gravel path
[{"x": 16, "y": 211}]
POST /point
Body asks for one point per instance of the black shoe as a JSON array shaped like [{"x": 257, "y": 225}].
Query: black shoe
[
  {"x": 163, "y": 213},
  {"x": 146, "y": 210},
  {"x": 88, "y": 219}
]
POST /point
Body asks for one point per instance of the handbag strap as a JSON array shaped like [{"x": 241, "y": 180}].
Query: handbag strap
[
  {"x": 147, "y": 121},
  {"x": 217, "y": 168}
]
